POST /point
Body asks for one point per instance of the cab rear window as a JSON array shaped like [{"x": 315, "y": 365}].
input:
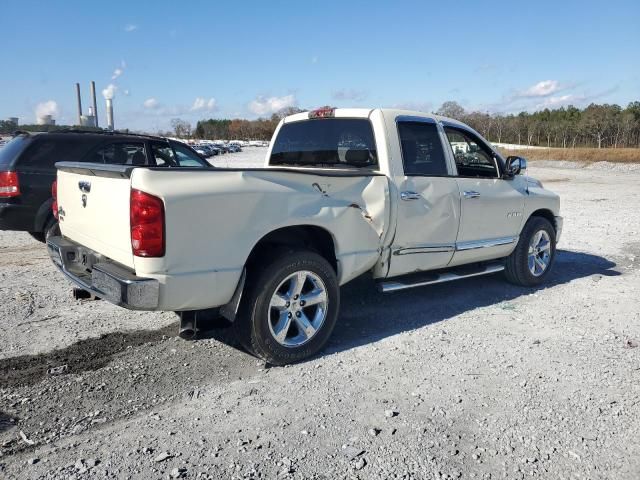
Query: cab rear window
[{"x": 327, "y": 142}]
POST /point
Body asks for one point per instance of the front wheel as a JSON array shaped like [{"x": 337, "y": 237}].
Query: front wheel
[
  {"x": 530, "y": 262},
  {"x": 289, "y": 309}
]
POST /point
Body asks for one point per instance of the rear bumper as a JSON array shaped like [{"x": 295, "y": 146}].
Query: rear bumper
[
  {"x": 102, "y": 277},
  {"x": 559, "y": 225}
]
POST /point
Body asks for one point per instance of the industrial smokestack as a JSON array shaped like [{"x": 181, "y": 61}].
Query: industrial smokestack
[
  {"x": 79, "y": 104},
  {"x": 95, "y": 105},
  {"x": 109, "y": 114}
]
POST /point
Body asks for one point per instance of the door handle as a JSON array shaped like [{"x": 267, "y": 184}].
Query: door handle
[
  {"x": 406, "y": 196},
  {"x": 471, "y": 194}
]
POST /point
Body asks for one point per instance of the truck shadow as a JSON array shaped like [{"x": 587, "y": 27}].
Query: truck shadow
[{"x": 368, "y": 316}]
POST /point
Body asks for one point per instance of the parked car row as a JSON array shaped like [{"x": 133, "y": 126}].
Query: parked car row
[{"x": 211, "y": 149}]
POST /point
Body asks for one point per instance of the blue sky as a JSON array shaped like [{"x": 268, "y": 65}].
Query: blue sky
[{"x": 196, "y": 60}]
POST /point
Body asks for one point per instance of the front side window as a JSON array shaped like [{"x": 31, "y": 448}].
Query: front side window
[
  {"x": 130, "y": 153},
  {"x": 328, "y": 142},
  {"x": 163, "y": 154},
  {"x": 473, "y": 158},
  {"x": 422, "y": 152},
  {"x": 185, "y": 157}
]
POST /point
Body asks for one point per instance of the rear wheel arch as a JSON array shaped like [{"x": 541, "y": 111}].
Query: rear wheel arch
[
  {"x": 43, "y": 215},
  {"x": 295, "y": 237}
]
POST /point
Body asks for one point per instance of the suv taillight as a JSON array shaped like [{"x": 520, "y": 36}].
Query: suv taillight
[
  {"x": 9, "y": 185},
  {"x": 54, "y": 194},
  {"x": 147, "y": 224}
]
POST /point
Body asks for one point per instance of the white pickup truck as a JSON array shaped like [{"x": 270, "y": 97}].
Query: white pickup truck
[{"x": 409, "y": 198}]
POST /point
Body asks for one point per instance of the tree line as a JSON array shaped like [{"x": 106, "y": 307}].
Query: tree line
[
  {"x": 230, "y": 129},
  {"x": 599, "y": 126}
]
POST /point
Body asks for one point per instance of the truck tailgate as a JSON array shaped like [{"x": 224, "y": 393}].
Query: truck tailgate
[{"x": 93, "y": 209}]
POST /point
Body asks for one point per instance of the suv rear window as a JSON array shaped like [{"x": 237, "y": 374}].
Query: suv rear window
[
  {"x": 328, "y": 142},
  {"x": 12, "y": 150}
]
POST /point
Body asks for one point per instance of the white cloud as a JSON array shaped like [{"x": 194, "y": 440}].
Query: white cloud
[
  {"x": 426, "y": 107},
  {"x": 560, "y": 100},
  {"x": 119, "y": 70},
  {"x": 349, "y": 94},
  {"x": 541, "y": 89},
  {"x": 50, "y": 107},
  {"x": 263, "y": 106},
  {"x": 130, "y": 27},
  {"x": 203, "y": 104},
  {"x": 116, "y": 73},
  {"x": 151, "y": 103},
  {"x": 110, "y": 91}
]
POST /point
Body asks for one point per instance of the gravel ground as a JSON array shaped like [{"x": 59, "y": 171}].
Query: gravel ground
[{"x": 474, "y": 379}]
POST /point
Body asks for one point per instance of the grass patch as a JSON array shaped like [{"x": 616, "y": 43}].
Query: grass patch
[{"x": 615, "y": 155}]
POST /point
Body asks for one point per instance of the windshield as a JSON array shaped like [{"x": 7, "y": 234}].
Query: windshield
[
  {"x": 12, "y": 150},
  {"x": 328, "y": 142}
]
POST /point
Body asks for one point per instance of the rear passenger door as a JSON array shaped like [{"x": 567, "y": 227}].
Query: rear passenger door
[{"x": 428, "y": 200}]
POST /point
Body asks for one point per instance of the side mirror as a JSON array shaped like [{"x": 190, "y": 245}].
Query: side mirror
[{"x": 515, "y": 166}]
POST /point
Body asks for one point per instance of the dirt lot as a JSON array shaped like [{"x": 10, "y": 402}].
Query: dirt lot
[{"x": 476, "y": 379}]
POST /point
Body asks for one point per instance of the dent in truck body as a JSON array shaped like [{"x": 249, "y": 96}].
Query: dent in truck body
[{"x": 238, "y": 208}]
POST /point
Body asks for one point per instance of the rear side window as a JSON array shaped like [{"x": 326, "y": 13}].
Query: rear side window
[
  {"x": 12, "y": 150},
  {"x": 44, "y": 152},
  {"x": 130, "y": 153},
  {"x": 422, "y": 152},
  {"x": 329, "y": 142}
]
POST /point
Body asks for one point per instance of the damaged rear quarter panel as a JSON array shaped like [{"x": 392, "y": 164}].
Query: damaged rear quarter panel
[{"x": 214, "y": 219}]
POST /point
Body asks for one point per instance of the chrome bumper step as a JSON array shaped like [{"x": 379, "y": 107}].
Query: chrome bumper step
[{"x": 431, "y": 278}]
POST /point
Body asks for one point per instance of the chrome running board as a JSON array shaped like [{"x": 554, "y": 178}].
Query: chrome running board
[{"x": 420, "y": 280}]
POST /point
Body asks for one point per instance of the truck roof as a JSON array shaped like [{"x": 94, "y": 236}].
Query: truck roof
[{"x": 366, "y": 112}]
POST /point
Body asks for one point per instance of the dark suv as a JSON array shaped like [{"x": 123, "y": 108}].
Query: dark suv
[{"x": 27, "y": 169}]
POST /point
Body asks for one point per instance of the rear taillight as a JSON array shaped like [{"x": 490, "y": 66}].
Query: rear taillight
[
  {"x": 9, "y": 185},
  {"x": 147, "y": 224},
  {"x": 54, "y": 194}
]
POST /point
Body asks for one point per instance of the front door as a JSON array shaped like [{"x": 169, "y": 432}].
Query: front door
[
  {"x": 428, "y": 200},
  {"x": 491, "y": 206}
]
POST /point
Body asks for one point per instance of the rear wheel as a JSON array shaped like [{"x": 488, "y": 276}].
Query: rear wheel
[
  {"x": 530, "y": 262},
  {"x": 51, "y": 229},
  {"x": 289, "y": 308}
]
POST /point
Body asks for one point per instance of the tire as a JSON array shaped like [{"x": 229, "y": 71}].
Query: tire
[
  {"x": 524, "y": 266},
  {"x": 274, "y": 322},
  {"x": 51, "y": 229},
  {"x": 39, "y": 236}
]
